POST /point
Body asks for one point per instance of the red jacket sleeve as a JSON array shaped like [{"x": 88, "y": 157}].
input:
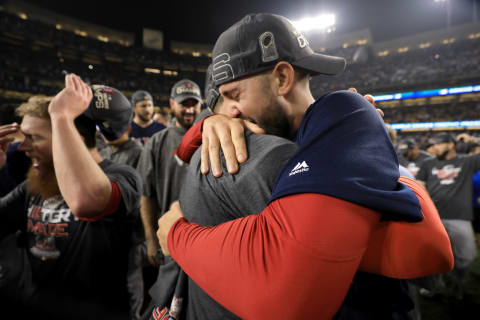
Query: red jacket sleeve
[
  {"x": 295, "y": 260},
  {"x": 410, "y": 250},
  {"x": 191, "y": 141}
]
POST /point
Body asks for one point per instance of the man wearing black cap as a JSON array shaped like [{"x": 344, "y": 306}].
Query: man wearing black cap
[
  {"x": 78, "y": 209},
  {"x": 410, "y": 156},
  {"x": 143, "y": 125},
  {"x": 162, "y": 173},
  {"x": 448, "y": 179},
  {"x": 300, "y": 255}
]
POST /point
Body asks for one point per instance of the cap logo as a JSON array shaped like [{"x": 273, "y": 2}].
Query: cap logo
[
  {"x": 269, "y": 48},
  {"x": 222, "y": 70},
  {"x": 302, "y": 41},
  {"x": 187, "y": 88},
  {"x": 102, "y": 98}
]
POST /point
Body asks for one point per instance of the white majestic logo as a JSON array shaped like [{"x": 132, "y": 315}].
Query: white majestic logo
[{"x": 300, "y": 167}]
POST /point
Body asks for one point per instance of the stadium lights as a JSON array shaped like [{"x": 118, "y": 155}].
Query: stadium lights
[
  {"x": 427, "y": 93},
  {"x": 324, "y": 22}
]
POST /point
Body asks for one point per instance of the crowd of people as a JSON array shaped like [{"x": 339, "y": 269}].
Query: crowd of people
[
  {"x": 40, "y": 71},
  {"x": 224, "y": 209},
  {"x": 456, "y": 111}
]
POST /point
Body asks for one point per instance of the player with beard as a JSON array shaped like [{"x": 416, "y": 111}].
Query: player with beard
[
  {"x": 163, "y": 173},
  {"x": 448, "y": 179},
  {"x": 300, "y": 256},
  {"x": 76, "y": 209},
  {"x": 143, "y": 125}
]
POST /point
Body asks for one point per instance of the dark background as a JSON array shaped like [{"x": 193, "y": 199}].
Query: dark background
[{"x": 203, "y": 21}]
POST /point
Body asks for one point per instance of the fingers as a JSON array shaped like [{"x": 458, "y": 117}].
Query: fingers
[
  {"x": 380, "y": 112},
  {"x": 214, "y": 154},
  {"x": 220, "y": 132},
  {"x": 204, "y": 155},
  {"x": 370, "y": 99},
  {"x": 7, "y": 129},
  {"x": 253, "y": 127},
  {"x": 69, "y": 81}
]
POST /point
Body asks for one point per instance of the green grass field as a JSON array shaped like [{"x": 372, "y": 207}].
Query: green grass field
[{"x": 449, "y": 309}]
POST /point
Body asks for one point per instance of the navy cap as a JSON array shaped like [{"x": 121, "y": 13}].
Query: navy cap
[
  {"x": 185, "y": 89},
  {"x": 259, "y": 41},
  {"x": 110, "y": 110},
  {"x": 140, "y": 95}
]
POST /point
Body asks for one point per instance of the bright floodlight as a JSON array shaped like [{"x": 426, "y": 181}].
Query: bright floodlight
[{"x": 321, "y": 22}]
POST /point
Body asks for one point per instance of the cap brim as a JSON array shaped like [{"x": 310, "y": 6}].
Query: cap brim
[
  {"x": 182, "y": 98},
  {"x": 322, "y": 64}
]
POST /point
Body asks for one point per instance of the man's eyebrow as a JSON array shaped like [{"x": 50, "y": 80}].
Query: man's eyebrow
[{"x": 226, "y": 92}]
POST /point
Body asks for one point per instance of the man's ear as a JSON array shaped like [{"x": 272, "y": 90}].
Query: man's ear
[
  {"x": 172, "y": 104},
  {"x": 284, "y": 76}
]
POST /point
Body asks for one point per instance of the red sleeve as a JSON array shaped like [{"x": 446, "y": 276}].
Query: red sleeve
[
  {"x": 112, "y": 206},
  {"x": 295, "y": 260},
  {"x": 410, "y": 250},
  {"x": 191, "y": 141}
]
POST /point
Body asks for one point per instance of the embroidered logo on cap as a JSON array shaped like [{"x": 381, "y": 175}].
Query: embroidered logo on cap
[
  {"x": 302, "y": 41},
  {"x": 222, "y": 69},
  {"x": 269, "y": 48}
]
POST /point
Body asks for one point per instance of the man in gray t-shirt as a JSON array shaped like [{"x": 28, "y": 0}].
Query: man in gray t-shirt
[
  {"x": 224, "y": 199},
  {"x": 448, "y": 179},
  {"x": 161, "y": 172}
]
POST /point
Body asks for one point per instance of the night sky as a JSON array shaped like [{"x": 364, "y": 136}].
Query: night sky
[{"x": 202, "y": 21}]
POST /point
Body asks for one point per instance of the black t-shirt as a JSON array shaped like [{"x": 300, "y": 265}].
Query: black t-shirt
[
  {"x": 84, "y": 260},
  {"x": 143, "y": 134},
  {"x": 449, "y": 183}
]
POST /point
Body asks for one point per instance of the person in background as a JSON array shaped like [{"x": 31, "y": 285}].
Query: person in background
[
  {"x": 162, "y": 172},
  {"x": 161, "y": 115},
  {"x": 17, "y": 163},
  {"x": 143, "y": 126},
  {"x": 76, "y": 210},
  {"x": 448, "y": 179},
  {"x": 410, "y": 155},
  {"x": 393, "y": 137},
  {"x": 127, "y": 151}
]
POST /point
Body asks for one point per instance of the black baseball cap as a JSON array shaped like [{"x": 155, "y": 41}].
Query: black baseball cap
[
  {"x": 140, "y": 95},
  {"x": 259, "y": 41},
  {"x": 185, "y": 89},
  {"x": 443, "y": 137},
  {"x": 110, "y": 110},
  {"x": 406, "y": 145}
]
